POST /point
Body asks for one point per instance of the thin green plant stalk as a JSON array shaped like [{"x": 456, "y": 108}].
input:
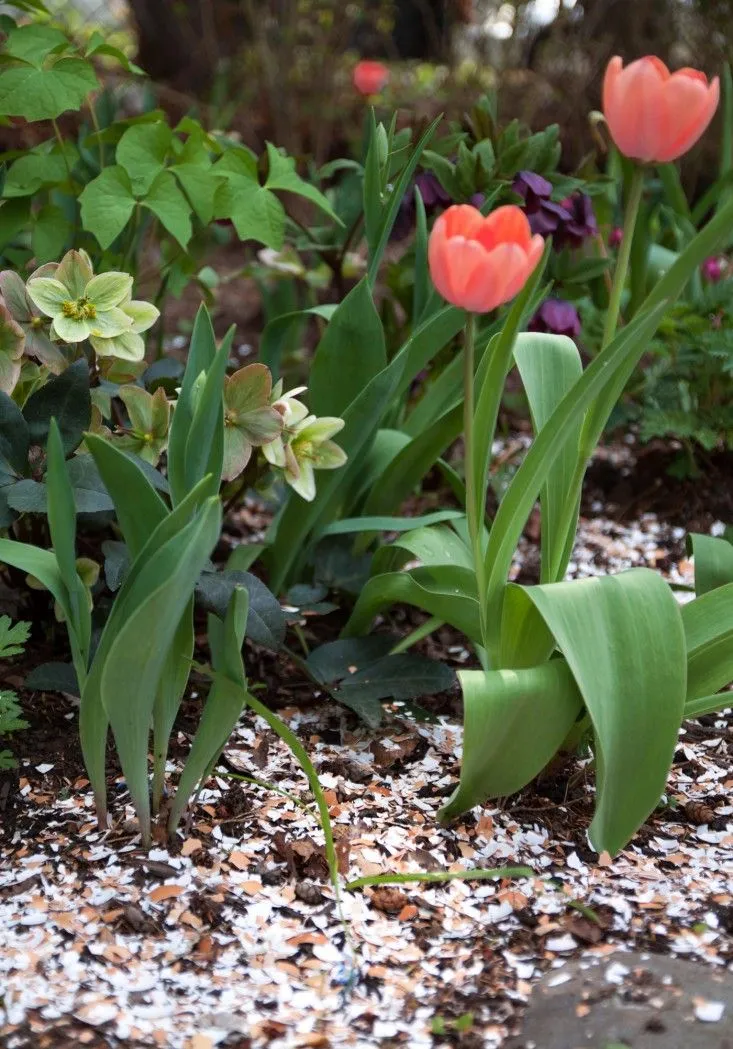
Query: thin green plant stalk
[
  {"x": 421, "y": 632},
  {"x": 622, "y": 265},
  {"x": 478, "y": 874},
  {"x": 474, "y": 513}
]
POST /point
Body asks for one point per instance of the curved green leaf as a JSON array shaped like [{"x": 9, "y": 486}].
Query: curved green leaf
[
  {"x": 549, "y": 366},
  {"x": 713, "y": 561},
  {"x": 446, "y": 591},
  {"x": 708, "y": 623},
  {"x": 514, "y": 722},
  {"x": 623, "y": 640}
]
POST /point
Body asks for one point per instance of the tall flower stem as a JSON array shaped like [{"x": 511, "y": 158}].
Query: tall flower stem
[
  {"x": 474, "y": 513},
  {"x": 622, "y": 265}
]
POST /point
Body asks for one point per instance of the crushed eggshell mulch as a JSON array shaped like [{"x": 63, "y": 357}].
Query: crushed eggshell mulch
[{"x": 232, "y": 936}]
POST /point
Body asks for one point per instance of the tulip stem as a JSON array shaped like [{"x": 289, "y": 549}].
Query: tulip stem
[
  {"x": 624, "y": 254},
  {"x": 474, "y": 513}
]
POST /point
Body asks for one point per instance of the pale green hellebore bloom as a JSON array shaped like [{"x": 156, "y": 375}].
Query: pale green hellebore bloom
[
  {"x": 249, "y": 418},
  {"x": 150, "y": 419},
  {"x": 309, "y": 450},
  {"x": 79, "y": 304},
  {"x": 292, "y": 412},
  {"x": 129, "y": 345}
]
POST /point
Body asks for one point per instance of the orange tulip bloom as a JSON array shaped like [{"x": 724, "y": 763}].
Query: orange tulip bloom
[
  {"x": 655, "y": 115},
  {"x": 479, "y": 262},
  {"x": 370, "y": 77}
]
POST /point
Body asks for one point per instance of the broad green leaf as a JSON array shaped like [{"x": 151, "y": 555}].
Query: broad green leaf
[
  {"x": 107, "y": 203},
  {"x": 490, "y": 379},
  {"x": 713, "y": 562},
  {"x": 33, "y": 43},
  {"x": 27, "y": 175},
  {"x": 14, "y": 437},
  {"x": 549, "y": 366},
  {"x": 51, "y": 232},
  {"x": 142, "y": 574},
  {"x": 266, "y": 623},
  {"x": 429, "y": 545},
  {"x": 351, "y": 352},
  {"x": 413, "y": 462},
  {"x": 256, "y": 212},
  {"x": 205, "y": 443},
  {"x": 43, "y": 94},
  {"x": 335, "y": 660},
  {"x": 427, "y": 339},
  {"x": 623, "y": 639},
  {"x": 138, "y": 506},
  {"x": 282, "y": 175},
  {"x": 389, "y": 524},
  {"x": 14, "y": 215},
  {"x": 277, "y": 330},
  {"x": 446, "y": 591},
  {"x": 62, "y": 529},
  {"x": 66, "y": 399},
  {"x": 708, "y": 623},
  {"x": 39, "y": 563},
  {"x": 167, "y": 203},
  {"x": 201, "y": 354},
  {"x": 224, "y": 703},
  {"x": 389, "y": 211},
  {"x": 128, "y": 686},
  {"x": 514, "y": 722},
  {"x": 400, "y": 677},
  {"x": 200, "y": 186},
  {"x": 142, "y": 151},
  {"x": 172, "y": 685},
  {"x": 527, "y": 483}
]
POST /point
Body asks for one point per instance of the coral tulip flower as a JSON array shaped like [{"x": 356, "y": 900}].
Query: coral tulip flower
[
  {"x": 370, "y": 77},
  {"x": 479, "y": 262},
  {"x": 655, "y": 115}
]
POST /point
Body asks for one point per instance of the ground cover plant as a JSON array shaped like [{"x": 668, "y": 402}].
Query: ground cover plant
[{"x": 432, "y": 264}]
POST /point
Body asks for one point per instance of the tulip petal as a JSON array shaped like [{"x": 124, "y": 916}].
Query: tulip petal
[
  {"x": 639, "y": 117},
  {"x": 506, "y": 224},
  {"x": 466, "y": 262},
  {"x": 461, "y": 220},
  {"x": 695, "y": 102}
]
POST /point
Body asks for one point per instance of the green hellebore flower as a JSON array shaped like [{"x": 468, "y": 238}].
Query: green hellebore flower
[
  {"x": 150, "y": 418},
  {"x": 79, "y": 304},
  {"x": 311, "y": 449},
  {"x": 12, "y": 342},
  {"x": 292, "y": 412},
  {"x": 128, "y": 345},
  {"x": 249, "y": 418},
  {"x": 37, "y": 343}
]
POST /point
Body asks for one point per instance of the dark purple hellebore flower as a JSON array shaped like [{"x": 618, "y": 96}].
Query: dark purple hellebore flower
[
  {"x": 581, "y": 223},
  {"x": 545, "y": 216},
  {"x": 431, "y": 191},
  {"x": 556, "y": 317}
]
